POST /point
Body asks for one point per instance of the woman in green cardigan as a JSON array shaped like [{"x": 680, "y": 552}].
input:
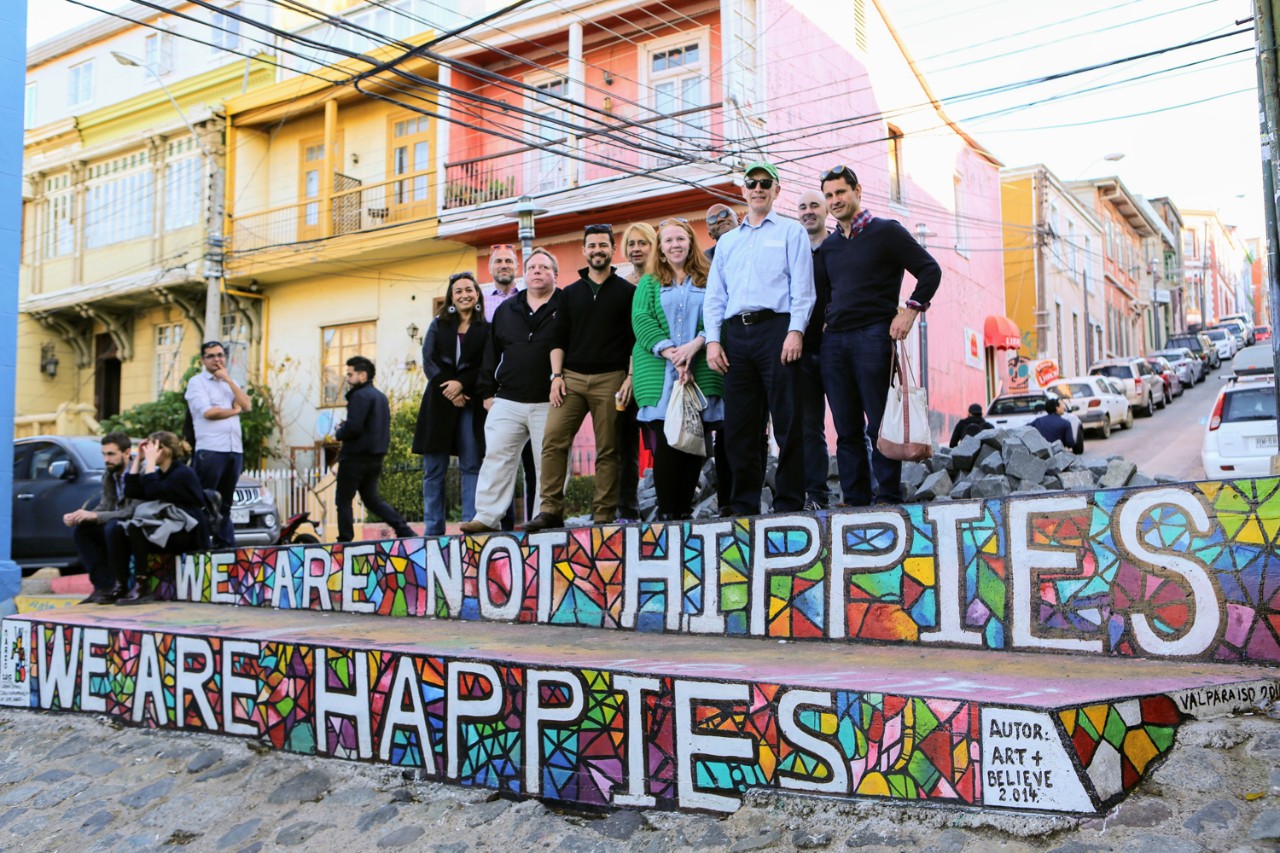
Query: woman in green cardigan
[{"x": 666, "y": 316}]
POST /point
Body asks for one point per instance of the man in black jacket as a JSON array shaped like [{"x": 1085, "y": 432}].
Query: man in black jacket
[
  {"x": 515, "y": 384},
  {"x": 590, "y": 373},
  {"x": 365, "y": 437},
  {"x": 971, "y": 425}
]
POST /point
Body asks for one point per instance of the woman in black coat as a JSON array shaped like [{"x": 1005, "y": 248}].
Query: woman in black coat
[{"x": 451, "y": 417}]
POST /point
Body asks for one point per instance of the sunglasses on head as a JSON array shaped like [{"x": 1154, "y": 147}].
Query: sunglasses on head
[
  {"x": 838, "y": 171},
  {"x": 673, "y": 219},
  {"x": 762, "y": 183},
  {"x": 598, "y": 229},
  {"x": 497, "y": 247},
  {"x": 458, "y": 276},
  {"x": 716, "y": 217}
]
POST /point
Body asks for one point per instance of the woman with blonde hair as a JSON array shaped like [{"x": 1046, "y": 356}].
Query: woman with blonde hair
[
  {"x": 171, "y": 519},
  {"x": 638, "y": 243},
  {"x": 666, "y": 316}
]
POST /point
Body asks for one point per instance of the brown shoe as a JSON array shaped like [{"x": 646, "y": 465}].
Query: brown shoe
[
  {"x": 543, "y": 521},
  {"x": 476, "y": 526}
]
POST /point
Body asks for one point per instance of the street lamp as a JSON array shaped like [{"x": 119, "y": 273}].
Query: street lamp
[
  {"x": 213, "y": 230},
  {"x": 1113, "y": 157},
  {"x": 524, "y": 212}
]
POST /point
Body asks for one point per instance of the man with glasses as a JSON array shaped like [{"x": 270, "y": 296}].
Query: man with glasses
[
  {"x": 515, "y": 385},
  {"x": 502, "y": 268},
  {"x": 760, "y": 294},
  {"x": 861, "y": 267},
  {"x": 720, "y": 221},
  {"x": 216, "y": 403},
  {"x": 590, "y": 372}
]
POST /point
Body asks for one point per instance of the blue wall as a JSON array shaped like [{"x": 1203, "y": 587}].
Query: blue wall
[{"x": 13, "y": 76}]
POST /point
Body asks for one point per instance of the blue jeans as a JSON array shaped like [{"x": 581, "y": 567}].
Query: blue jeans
[
  {"x": 813, "y": 426},
  {"x": 855, "y": 370},
  {"x": 221, "y": 471},
  {"x": 436, "y": 465}
]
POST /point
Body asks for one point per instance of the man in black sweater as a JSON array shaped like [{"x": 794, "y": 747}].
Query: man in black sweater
[
  {"x": 860, "y": 266},
  {"x": 365, "y": 437},
  {"x": 590, "y": 372},
  {"x": 515, "y": 384}
]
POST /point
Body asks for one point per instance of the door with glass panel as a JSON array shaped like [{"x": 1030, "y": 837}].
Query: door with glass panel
[
  {"x": 409, "y": 160},
  {"x": 312, "y": 161},
  {"x": 546, "y": 168}
]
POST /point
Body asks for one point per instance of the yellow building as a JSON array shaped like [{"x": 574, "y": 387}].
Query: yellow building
[
  {"x": 116, "y": 215},
  {"x": 332, "y": 199}
]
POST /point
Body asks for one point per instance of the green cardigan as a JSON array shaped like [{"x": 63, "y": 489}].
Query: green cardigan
[{"x": 650, "y": 326}]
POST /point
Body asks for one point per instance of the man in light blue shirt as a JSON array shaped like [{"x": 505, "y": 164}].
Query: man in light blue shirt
[
  {"x": 760, "y": 294},
  {"x": 216, "y": 403}
]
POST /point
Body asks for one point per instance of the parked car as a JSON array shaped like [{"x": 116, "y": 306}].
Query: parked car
[
  {"x": 1200, "y": 346},
  {"x": 1143, "y": 387},
  {"x": 1261, "y": 333},
  {"x": 1240, "y": 439},
  {"x": 56, "y": 474},
  {"x": 1237, "y": 330},
  {"x": 1172, "y": 381},
  {"x": 1250, "y": 331},
  {"x": 1191, "y": 370},
  {"x": 1224, "y": 341},
  {"x": 1016, "y": 410},
  {"x": 1098, "y": 403}
]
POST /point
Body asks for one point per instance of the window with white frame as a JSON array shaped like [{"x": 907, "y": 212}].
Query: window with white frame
[
  {"x": 59, "y": 229},
  {"x": 547, "y": 167},
  {"x": 1055, "y": 225},
  {"x": 337, "y": 344},
  {"x": 744, "y": 61},
  {"x": 184, "y": 182},
  {"x": 80, "y": 84},
  {"x": 397, "y": 19},
  {"x": 158, "y": 52},
  {"x": 119, "y": 200},
  {"x": 225, "y": 29},
  {"x": 677, "y": 80},
  {"x": 29, "y": 105},
  {"x": 962, "y": 218},
  {"x": 168, "y": 358}
]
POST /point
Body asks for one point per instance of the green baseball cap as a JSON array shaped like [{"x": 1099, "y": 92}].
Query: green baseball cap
[{"x": 765, "y": 166}]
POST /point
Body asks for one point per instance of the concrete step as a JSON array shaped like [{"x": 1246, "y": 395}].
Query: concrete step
[
  {"x": 1186, "y": 570},
  {"x": 608, "y": 718}
]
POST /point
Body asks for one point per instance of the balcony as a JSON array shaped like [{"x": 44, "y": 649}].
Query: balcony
[{"x": 352, "y": 209}]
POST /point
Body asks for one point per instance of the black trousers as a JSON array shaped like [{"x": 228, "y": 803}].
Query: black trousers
[
  {"x": 629, "y": 463},
  {"x": 125, "y": 541},
  {"x": 757, "y": 378},
  {"x": 359, "y": 475},
  {"x": 93, "y": 544},
  {"x": 675, "y": 474}
]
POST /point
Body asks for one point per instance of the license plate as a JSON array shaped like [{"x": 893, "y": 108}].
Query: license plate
[
  {"x": 239, "y": 516},
  {"x": 1266, "y": 441}
]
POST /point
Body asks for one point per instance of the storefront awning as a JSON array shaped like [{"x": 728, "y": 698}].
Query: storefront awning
[{"x": 1001, "y": 333}]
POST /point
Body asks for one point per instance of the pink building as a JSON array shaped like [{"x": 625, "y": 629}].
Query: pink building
[{"x": 620, "y": 112}]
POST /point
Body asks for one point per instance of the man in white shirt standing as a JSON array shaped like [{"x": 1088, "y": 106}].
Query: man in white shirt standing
[{"x": 216, "y": 403}]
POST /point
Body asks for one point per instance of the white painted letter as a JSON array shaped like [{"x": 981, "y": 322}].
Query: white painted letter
[
  {"x": 459, "y": 707},
  {"x": 282, "y": 579},
  {"x": 510, "y": 610},
  {"x": 806, "y": 741},
  {"x": 353, "y": 583},
  {"x": 689, "y": 744},
  {"x": 447, "y": 572},
  {"x": 58, "y": 672},
  {"x": 763, "y": 565},
  {"x": 949, "y": 572},
  {"x": 218, "y": 563},
  {"x": 93, "y": 661},
  {"x": 313, "y": 582},
  {"x": 535, "y": 714},
  {"x": 150, "y": 682},
  {"x": 236, "y": 687},
  {"x": 544, "y": 545},
  {"x": 404, "y": 685},
  {"x": 666, "y": 569},
  {"x": 191, "y": 569},
  {"x": 844, "y": 561},
  {"x": 710, "y": 620},
  {"x": 193, "y": 680},
  {"x": 339, "y": 703},
  {"x": 633, "y": 686},
  {"x": 1025, "y": 561}
]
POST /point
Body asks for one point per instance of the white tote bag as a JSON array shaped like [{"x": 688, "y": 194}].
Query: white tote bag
[
  {"x": 904, "y": 431},
  {"x": 683, "y": 426}
]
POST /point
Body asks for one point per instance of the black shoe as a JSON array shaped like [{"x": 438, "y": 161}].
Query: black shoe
[
  {"x": 544, "y": 521},
  {"x": 406, "y": 533},
  {"x": 135, "y": 596}
]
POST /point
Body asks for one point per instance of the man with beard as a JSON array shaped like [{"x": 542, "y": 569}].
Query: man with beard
[
  {"x": 92, "y": 527},
  {"x": 590, "y": 372},
  {"x": 502, "y": 269},
  {"x": 813, "y": 401}
]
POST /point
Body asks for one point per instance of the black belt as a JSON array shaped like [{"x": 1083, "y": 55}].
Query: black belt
[{"x": 750, "y": 318}]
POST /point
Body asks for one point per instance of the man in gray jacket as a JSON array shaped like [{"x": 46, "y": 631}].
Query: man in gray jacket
[{"x": 91, "y": 525}]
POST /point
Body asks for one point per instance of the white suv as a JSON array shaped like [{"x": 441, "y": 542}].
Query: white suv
[
  {"x": 1143, "y": 387},
  {"x": 1241, "y": 437}
]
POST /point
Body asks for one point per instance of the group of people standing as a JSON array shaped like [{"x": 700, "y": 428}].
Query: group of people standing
[{"x": 776, "y": 320}]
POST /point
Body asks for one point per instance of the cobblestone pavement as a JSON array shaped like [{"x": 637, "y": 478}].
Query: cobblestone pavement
[{"x": 75, "y": 782}]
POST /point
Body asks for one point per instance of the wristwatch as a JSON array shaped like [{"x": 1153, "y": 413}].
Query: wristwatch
[{"x": 557, "y": 376}]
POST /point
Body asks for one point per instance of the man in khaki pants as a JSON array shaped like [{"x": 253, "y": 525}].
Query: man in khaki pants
[{"x": 590, "y": 372}]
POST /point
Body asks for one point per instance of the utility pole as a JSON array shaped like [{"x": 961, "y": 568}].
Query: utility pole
[
  {"x": 1266, "y": 16},
  {"x": 922, "y": 234}
]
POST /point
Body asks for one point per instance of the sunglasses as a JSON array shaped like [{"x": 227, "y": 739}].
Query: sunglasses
[
  {"x": 673, "y": 219},
  {"x": 470, "y": 276},
  {"x": 598, "y": 229},
  {"x": 496, "y": 247},
  {"x": 214, "y": 355},
  {"x": 762, "y": 183},
  {"x": 832, "y": 174},
  {"x": 724, "y": 214}
]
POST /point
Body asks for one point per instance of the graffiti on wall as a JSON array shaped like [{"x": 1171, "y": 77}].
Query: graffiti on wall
[
  {"x": 595, "y": 736},
  {"x": 1187, "y": 571}
]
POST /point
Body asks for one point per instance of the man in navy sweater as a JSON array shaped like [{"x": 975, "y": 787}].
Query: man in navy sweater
[
  {"x": 1053, "y": 426},
  {"x": 860, "y": 266},
  {"x": 365, "y": 437}
]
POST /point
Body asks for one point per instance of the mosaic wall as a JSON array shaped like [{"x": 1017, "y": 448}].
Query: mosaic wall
[
  {"x": 598, "y": 737},
  {"x": 1178, "y": 571}
]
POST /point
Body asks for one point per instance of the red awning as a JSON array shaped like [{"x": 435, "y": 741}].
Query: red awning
[{"x": 1001, "y": 333}]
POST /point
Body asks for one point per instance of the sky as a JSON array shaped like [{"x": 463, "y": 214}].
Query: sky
[{"x": 1191, "y": 134}]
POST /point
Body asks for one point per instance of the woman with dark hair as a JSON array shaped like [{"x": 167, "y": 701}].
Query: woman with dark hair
[
  {"x": 666, "y": 315},
  {"x": 170, "y": 519},
  {"x": 451, "y": 417}
]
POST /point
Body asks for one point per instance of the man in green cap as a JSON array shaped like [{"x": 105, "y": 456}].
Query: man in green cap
[{"x": 760, "y": 294}]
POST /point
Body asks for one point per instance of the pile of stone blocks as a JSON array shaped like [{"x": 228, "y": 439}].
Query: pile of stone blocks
[{"x": 1018, "y": 461}]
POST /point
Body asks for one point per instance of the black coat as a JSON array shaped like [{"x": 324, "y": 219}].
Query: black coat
[
  {"x": 437, "y": 417},
  {"x": 367, "y": 429}
]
